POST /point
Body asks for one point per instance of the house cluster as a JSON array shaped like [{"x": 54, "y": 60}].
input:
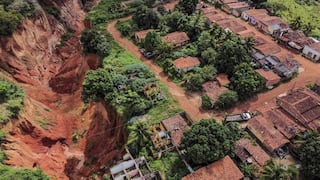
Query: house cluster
[
  {"x": 272, "y": 65},
  {"x": 130, "y": 168},
  {"x": 294, "y": 112},
  {"x": 167, "y": 134}
]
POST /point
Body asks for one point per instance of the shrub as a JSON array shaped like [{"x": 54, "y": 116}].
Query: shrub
[{"x": 206, "y": 102}]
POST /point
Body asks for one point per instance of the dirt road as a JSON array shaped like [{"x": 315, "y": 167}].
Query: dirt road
[{"x": 189, "y": 103}]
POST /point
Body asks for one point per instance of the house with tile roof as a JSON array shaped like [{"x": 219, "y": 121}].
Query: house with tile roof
[
  {"x": 223, "y": 169},
  {"x": 253, "y": 15},
  {"x": 186, "y": 64},
  {"x": 176, "y": 39},
  {"x": 269, "y": 77},
  {"x": 235, "y": 8}
]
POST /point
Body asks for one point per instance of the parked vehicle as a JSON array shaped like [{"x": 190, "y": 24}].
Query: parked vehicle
[
  {"x": 238, "y": 117},
  {"x": 145, "y": 53}
]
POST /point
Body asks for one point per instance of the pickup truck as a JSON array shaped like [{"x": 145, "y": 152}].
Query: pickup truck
[{"x": 238, "y": 117}]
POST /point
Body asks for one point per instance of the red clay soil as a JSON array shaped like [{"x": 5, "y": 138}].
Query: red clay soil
[{"x": 189, "y": 103}]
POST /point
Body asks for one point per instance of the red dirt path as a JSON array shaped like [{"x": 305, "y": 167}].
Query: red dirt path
[{"x": 189, "y": 103}]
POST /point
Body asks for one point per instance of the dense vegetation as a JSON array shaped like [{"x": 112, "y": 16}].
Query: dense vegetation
[
  {"x": 7, "y": 172},
  {"x": 12, "y": 13},
  {"x": 301, "y": 14},
  {"x": 275, "y": 171},
  {"x": 96, "y": 42},
  {"x": 309, "y": 153},
  {"x": 11, "y": 101},
  {"x": 208, "y": 141}
]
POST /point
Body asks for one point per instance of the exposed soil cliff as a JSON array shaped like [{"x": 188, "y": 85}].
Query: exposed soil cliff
[{"x": 54, "y": 112}]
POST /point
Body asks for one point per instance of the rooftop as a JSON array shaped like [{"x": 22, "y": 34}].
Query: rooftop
[
  {"x": 268, "y": 49},
  {"x": 209, "y": 9},
  {"x": 176, "y": 125},
  {"x": 253, "y": 12},
  {"x": 223, "y": 169},
  {"x": 232, "y": 25},
  {"x": 246, "y": 149},
  {"x": 186, "y": 62},
  {"x": 142, "y": 34},
  {"x": 285, "y": 124},
  {"x": 274, "y": 20},
  {"x": 246, "y": 34},
  {"x": 265, "y": 132},
  {"x": 213, "y": 90},
  {"x": 304, "y": 105},
  {"x": 268, "y": 75},
  {"x": 216, "y": 17},
  {"x": 175, "y": 38},
  {"x": 228, "y": 1},
  {"x": 315, "y": 46},
  {"x": 222, "y": 79},
  {"x": 237, "y": 5}
]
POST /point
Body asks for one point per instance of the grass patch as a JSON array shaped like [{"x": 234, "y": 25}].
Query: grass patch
[{"x": 44, "y": 123}]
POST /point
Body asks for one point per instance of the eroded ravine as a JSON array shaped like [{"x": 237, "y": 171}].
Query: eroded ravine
[{"x": 54, "y": 112}]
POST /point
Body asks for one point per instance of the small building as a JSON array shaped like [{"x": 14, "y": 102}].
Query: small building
[
  {"x": 222, "y": 79},
  {"x": 227, "y": 1},
  {"x": 268, "y": 49},
  {"x": 249, "y": 153},
  {"x": 271, "y": 24},
  {"x": 141, "y": 35},
  {"x": 132, "y": 169},
  {"x": 295, "y": 40},
  {"x": 246, "y": 34},
  {"x": 213, "y": 90},
  {"x": 270, "y": 61},
  {"x": 209, "y": 10},
  {"x": 231, "y": 25},
  {"x": 266, "y": 134},
  {"x": 223, "y": 169},
  {"x": 235, "y": 8},
  {"x": 176, "y": 126},
  {"x": 214, "y": 18},
  {"x": 270, "y": 78},
  {"x": 185, "y": 64},
  {"x": 303, "y": 105},
  {"x": 287, "y": 67},
  {"x": 312, "y": 51},
  {"x": 160, "y": 137},
  {"x": 253, "y": 15},
  {"x": 282, "y": 122},
  {"x": 176, "y": 39}
]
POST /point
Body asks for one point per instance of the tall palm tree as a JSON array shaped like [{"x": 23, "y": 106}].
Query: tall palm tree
[
  {"x": 139, "y": 136},
  {"x": 275, "y": 171}
]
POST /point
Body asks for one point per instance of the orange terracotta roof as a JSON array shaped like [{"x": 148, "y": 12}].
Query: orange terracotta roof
[
  {"x": 273, "y": 20},
  {"x": 315, "y": 46},
  {"x": 285, "y": 124},
  {"x": 142, "y": 34},
  {"x": 245, "y": 149},
  {"x": 228, "y": 1},
  {"x": 223, "y": 169},
  {"x": 268, "y": 49},
  {"x": 252, "y": 12},
  {"x": 304, "y": 105},
  {"x": 176, "y": 125},
  {"x": 213, "y": 90},
  {"x": 216, "y": 17},
  {"x": 265, "y": 132},
  {"x": 208, "y": 10},
  {"x": 237, "y": 5},
  {"x": 186, "y": 62},
  {"x": 246, "y": 34},
  {"x": 270, "y": 77},
  {"x": 175, "y": 38},
  {"x": 223, "y": 79}
]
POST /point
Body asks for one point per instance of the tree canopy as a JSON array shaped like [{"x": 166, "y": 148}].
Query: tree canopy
[
  {"x": 94, "y": 41},
  {"x": 187, "y": 6},
  {"x": 208, "y": 141},
  {"x": 151, "y": 41},
  {"x": 275, "y": 171},
  {"x": 227, "y": 100},
  {"x": 145, "y": 18},
  {"x": 7, "y": 172},
  {"x": 246, "y": 81},
  {"x": 309, "y": 154}
]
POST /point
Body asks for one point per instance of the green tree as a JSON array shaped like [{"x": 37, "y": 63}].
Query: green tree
[
  {"x": 208, "y": 73},
  {"x": 26, "y": 8},
  {"x": 309, "y": 154},
  {"x": 7, "y": 172},
  {"x": 246, "y": 81},
  {"x": 151, "y": 41},
  {"x": 206, "y": 102},
  {"x": 9, "y": 20},
  {"x": 94, "y": 41},
  {"x": 150, "y": 3},
  {"x": 208, "y": 141},
  {"x": 227, "y": 100},
  {"x": 145, "y": 18},
  {"x": 139, "y": 137},
  {"x": 275, "y": 171},
  {"x": 96, "y": 85},
  {"x": 248, "y": 170},
  {"x": 193, "y": 81},
  {"x": 187, "y": 6},
  {"x": 208, "y": 56},
  {"x": 296, "y": 23}
]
